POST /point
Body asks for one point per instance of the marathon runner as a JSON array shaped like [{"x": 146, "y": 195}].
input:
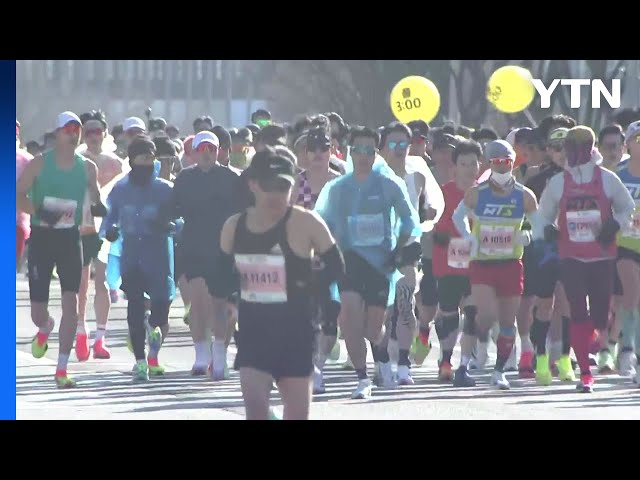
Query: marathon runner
[
  {"x": 204, "y": 196},
  {"x": 270, "y": 246},
  {"x": 591, "y": 205},
  {"x": 22, "y": 219},
  {"x": 359, "y": 208},
  {"x": 140, "y": 212},
  {"x": 611, "y": 143},
  {"x": 52, "y": 190},
  {"x": 451, "y": 254},
  {"x": 109, "y": 166},
  {"x": 497, "y": 208}
]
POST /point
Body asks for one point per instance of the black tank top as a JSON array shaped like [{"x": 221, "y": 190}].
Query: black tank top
[{"x": 274, "y": 243}]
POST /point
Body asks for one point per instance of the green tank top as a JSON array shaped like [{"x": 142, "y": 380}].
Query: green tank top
[{"x": 60, "y": 190}]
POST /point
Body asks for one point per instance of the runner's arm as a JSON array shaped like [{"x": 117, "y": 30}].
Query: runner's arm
[
  {"x": 24, "y": 184},
  {"x": 324, "y": 246},
  {"x": 549, "y": 205},
  {"x": 531, "y": 211},
  {"x": 113, "y": 212},
  {"x": 408, "y": 216},
  {"x": 224, "y": 281},
  {"x": 621, "y": 200},
  {"x": 460, "y": 216}
]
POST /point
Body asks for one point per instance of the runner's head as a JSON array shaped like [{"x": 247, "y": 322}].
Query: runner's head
[
  {"x": 68, "y": 129},
  {"x": 632, "y": 139},
  {"x": 395, "y": 142},
  {"x": 157, "y": 127},
  {"x": 34, "y": 148},
  {"x": 555, "y": 146},
  {"x": 611, "y": 144},
  {"x": 442, "y": 148},
  {"x": 94, "y": 128},
  {"x": 484, "y": 135},
  {"x": 501, "y": 157},
  {"x": 579, "y": 145},
  {"x": 240, "y": 147},
  {"x": 224, "y": 137},
  {"x": 300, "y": 150},
  {"x": 364, "y": 147},
  {"x": 205, "y": 149},
  {"x": 132, "y": 127},
  {"x": 271, "y": 135},
  {"x": 420, "y": 134},
  {"x": 519, "y": 138},
  {"x": 271, "y": 178},
  {"x": 261, "y": 117},
  {"x": 466, "y": 157},
  {"x": 535, "y": 144},
  {"x": 173, "y": 132},
  {"x": 142, "y": 154},
  {"x": 201, "y": 124},
  {"x": 167, "y": 155},
  {"x": 318, "y": 149}
]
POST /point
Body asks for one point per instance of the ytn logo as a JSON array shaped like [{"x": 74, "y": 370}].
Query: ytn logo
[{"x": 597, "y": 90}]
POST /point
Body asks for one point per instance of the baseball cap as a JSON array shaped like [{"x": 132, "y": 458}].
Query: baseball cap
[
  {"x": 444, "y": 140},
  {"x": 133, "y": 122},
  {"x": 557, "y": 135},
  {"x": 419, "y": 128},
  {"x": 157, "y": 124},
  {"x": 205, "y": 137},
  {"x": 499, "y": 149},
  {"x": 67, "y": 117},
  {"x": 267, "y": 165},
  {"x": 632, "y": 131}
]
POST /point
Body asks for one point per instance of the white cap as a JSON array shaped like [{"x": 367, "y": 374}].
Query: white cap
[
  {"x": 67, "y": 117},
  {"x": 205, "y": 137},
  {"x": 133, "y": 122},
  {"x": 632, "y": 131},
  {"x": 511, "y": 137}
]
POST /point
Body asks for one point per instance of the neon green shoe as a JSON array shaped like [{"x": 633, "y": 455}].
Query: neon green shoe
[
  {"x": 543, "y": 373},
  {"x": 155, "y": 339},
  {"x": 273, "y": 415},
  {"x": 141, "y": 372},
  {"x": 565, "y": 369},
  {"x": 421, "y": 348},
  {"x": 606, "y": 363},
  {"x": 39, "y": 349},
  {"x": 155, "y": 369},
  {"x": 334, "y": 356},
  {"x": 64, "y": 382}
]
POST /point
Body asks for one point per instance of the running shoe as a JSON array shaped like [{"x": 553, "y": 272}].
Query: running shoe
[
  {"x": 606, "y": 362},
  {"x": 586, "y": 383},
  {"x": 626, "y": 361},
  {"x": 140, "y": 372},
  {"x": 334, "y": 356},
  {"x": 318, "y": 382},
  {"x": 363, "y": 390},
  {"x": 480, "y": 356},
  {"x": 155, "y": 339},
  {"x": 348, "y": 365},
  {"x": 40, "y": 344},
  {"x": 113, "y": 294},
  {"x": 199, "y": 371},
  {"x": 445, "y": 372},
  {"x": 100, "y": 351},
  {"x": 63, "y": 381},
  {"x": 386, "y": 376},
  {"x": 566, "y": 371},
  {"x": 274, "y": 415},
  {"x": 462, "y": 379},
  {"x": 525, "y": 367},
  {"x": 543, "y": 373},
  {"x": 155, "y": 369},
  {"x": 420, "y": 349},
  {"x": 82, "y": 347},
  {"x": 499, "y": 380},
  {"x": 404, "y": 376}
]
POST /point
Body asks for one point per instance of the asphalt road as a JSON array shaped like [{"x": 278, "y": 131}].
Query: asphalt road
[{"x": 105, "y": 390}]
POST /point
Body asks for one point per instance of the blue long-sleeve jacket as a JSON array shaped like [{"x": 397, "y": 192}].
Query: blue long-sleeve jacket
[{"x": 139, "y": 211}]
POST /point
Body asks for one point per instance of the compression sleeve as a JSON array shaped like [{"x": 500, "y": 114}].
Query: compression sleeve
[
  {"x": 460, "y": 219},
  {"x": 224, "y": 279},
  {"x": 333, "y": 268}
]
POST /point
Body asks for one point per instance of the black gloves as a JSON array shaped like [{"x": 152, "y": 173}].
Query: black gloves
[
  {"x": 551, "y": 233},
  {"x": 112, "y": 234},
  {"x": 608, "y": 232},
  {"x": 99, "y": 210}
]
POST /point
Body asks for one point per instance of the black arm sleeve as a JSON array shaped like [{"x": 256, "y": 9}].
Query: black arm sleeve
[
  {"x": 224, "y": 280},
  {"x": 333, "y": 268},
  {"x": 422, "y": 212}
]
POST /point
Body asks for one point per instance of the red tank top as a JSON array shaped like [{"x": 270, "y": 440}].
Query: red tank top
[
  {"x": 452, "y": 260},
  {"x": 583, "y": 209}
]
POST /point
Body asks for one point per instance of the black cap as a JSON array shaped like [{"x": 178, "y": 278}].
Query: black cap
[
  {"x": 157, "y": 124},
  {"x": 267, "y": 165},
  {"x": 444, "y": 140},
  {"x": 419, "y": 128},
  {"x": 534, "y": 136},
  {"x": 140, "y": 145},
  {"x": 317, "y": 138}
]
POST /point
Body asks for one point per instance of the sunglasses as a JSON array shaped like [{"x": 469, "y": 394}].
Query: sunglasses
[
  {"x": 501, "y": 161},
  {"x": 93, "y": 131},
  {"x": 363, "y": 150},
  {"x": 263, "y": 122},
  {"x": 403, "y": 145},
  {"x": 274, "y": 185},
  {"x": 206, "y": 147},
  {"x": 71, "y": 129}
]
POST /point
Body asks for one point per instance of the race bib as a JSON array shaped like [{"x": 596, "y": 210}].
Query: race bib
[
  {"x": 64, "y": 206},
  {"x": 87, "y": 218},
  {"x": 459, "y": 253},
  {"x": 368, "y": 230},
  {"x": 262, "y": 278},
  {"x": 496, "y": 240},
  {"x": 583, "y": 225}
]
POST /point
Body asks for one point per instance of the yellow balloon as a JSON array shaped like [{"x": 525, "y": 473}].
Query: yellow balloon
[
  {"x": 415, "y": 98},
  {"x": 510, "y": 89}
]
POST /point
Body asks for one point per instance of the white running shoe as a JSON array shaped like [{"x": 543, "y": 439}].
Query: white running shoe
[
  {"x": 626, "y": 362},
  {"x": 363, "y": 390},
  {"x": 318, "y": 382},
  {"x": 499, "y": 380},
  {"x": 479, "y": 362},
  {"x": 404, "y": 375},
  {"x": 386, "y": 376},
  {"x": 512, "y": 363}
]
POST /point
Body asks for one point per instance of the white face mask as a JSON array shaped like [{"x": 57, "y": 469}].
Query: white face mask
[{"x": 501, "y": 178}]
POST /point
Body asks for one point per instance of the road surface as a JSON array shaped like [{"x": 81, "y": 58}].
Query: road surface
[{"x": 105, "y": 390}]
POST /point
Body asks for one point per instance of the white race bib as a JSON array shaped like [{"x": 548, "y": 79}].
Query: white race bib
[
  {"x": 263, "y": 278},
  {"x": 496, "y": 240},
  {"x": 64, "y": 206},
  {"x": 459, "y": 253},
  {"x": 368, "y": 230},
  {"x": 582, "y": 225}
]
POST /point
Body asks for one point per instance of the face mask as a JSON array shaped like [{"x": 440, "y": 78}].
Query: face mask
[
  {"x": 141, "y": 174},
  {"x": 501, "y": 178}
]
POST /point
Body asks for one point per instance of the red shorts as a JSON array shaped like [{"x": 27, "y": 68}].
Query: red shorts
[
  {"x": 507, "y": 278},
  {"x": 21, "y": 239}
]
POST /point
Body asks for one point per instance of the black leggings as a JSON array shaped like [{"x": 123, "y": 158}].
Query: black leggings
[{"x": 135, "y": 290}]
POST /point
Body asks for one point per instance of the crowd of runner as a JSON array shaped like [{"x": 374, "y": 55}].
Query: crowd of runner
[{"x": 284, "y": 238}]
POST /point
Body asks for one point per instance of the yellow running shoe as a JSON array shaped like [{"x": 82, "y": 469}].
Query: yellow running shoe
[
  {"x": 565, "y": 369},
  {"x": 63, "y": 381},
  {"x": 543, "y": 373}
]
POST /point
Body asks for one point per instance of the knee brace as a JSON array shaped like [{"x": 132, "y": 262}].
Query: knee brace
[{"x": 469, "y": 325}]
